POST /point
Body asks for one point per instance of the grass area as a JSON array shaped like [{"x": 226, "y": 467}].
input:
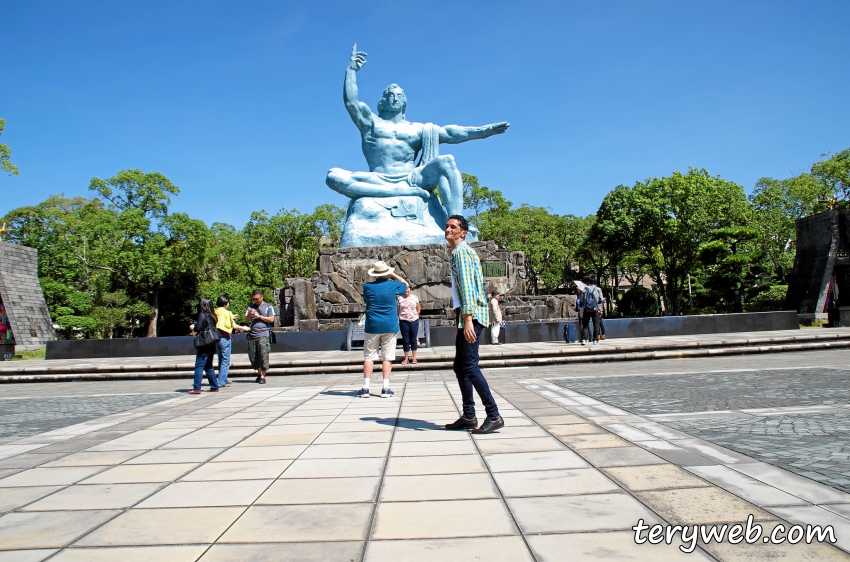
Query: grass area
[{"x": 25, "y": 355}]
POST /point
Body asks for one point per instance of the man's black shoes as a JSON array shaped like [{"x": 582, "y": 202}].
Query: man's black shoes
[
  {"x": 463, "y": 423},
  {"x": 489, "y": 426}
]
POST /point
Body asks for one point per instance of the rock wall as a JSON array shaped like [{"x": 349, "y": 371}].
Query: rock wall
[{"x": 332, "y": 297}]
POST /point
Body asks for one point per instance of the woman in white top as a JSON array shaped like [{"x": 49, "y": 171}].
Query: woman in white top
[{"x": 408, "y": 322}]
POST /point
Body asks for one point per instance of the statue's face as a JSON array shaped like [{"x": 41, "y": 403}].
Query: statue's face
[{"x": 393, "y": 100}]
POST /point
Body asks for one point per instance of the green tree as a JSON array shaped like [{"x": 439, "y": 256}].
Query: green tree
[
  {"x": 5, "y": 154},
  {"x": 731, "y": 258},
  {"x": 777, "y": 204},
  {"x": 478, "y": 199},
  {"x": 665, "y": 221},
  {"x": 550, "y": 243},
  {"x": 147, "y": 245},
  {"x": 834, "y": 172},
  {"x": 287, "y": 244}
]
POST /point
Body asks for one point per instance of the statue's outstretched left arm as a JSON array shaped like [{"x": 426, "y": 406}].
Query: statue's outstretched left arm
[{"x": 455, "y": 134}]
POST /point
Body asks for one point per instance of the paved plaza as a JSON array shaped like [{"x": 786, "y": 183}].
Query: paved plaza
[{"x": 300, "y": 469}]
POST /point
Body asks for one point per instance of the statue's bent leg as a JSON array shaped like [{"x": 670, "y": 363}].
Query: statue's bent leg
[
  {"x": 368, "y": 184},
  {"x": 443, "y": 171}
]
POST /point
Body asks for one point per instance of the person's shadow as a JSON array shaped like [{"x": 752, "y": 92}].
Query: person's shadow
[{"x": 407, "y": 423}]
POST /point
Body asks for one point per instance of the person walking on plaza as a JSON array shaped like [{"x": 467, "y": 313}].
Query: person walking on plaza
[
  {"x": 592, "y": 301},
  {"x": 226, "y": 326},
  {"x": 259, "y": 317},
  {"x": 470, "y": 304},
  {"x": 381, "y": 330},
  {"x": 409, "y": 309},
  {"x": 495, "y": 318},
  {"x": 204, "y": 355}
]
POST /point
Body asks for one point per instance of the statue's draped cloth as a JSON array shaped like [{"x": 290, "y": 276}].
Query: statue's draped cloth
[{"x": 378, "y": 221}]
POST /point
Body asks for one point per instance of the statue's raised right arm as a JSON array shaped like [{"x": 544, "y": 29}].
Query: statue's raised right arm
[{"x": 359, "y": 111}]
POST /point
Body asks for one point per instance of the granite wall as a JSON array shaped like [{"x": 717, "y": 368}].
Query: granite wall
[
  {"x": 332, "y": 297},
  {"x": 22, "y": 296}
]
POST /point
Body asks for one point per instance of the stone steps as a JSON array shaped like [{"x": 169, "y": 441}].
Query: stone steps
[{"x": 508, "y": 355}]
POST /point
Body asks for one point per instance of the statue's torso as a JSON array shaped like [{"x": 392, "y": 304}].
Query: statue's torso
[{"x": 390, "y": 148}]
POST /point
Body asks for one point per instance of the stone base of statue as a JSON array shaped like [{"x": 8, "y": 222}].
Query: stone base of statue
[
  {"x": 399, "y": 221},
  {"x": 332, "y": 298}
]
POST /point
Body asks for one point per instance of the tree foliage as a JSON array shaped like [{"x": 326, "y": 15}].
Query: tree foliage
[
  {"x": 5, "y": 154},
  {"x": 666, "y": 220},
  {"x": 121, "y": 264}
]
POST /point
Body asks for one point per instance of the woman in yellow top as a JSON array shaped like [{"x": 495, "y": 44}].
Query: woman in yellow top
[{"x": 226, "y": 326}]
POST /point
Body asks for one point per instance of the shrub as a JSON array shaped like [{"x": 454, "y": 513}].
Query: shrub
[
  {"x": 771, "y": 299},
  {"x": 639, "y": 302}
]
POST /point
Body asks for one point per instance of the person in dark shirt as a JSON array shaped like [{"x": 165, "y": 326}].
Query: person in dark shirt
[{"x": 204, "y": 355}]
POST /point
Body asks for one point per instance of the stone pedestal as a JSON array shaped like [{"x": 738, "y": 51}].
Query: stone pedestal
[
  {"x": 332, "y": 297},
  {"x": 20, "y": 293}
]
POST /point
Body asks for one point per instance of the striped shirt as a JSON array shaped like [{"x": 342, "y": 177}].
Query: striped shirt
[{"x": 469, "y": 282}]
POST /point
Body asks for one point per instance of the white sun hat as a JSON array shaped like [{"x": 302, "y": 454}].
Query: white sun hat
[{"x": 379, "y": 269}]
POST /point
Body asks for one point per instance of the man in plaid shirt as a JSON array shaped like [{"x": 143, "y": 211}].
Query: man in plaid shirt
[{"x": 472, "y": 311}]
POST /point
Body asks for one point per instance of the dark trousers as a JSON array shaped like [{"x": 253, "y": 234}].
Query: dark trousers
[
  {"x": 409, "y": 334},
  {"x": 586, "y": 317},
  {"x": 469, "y": 375}
]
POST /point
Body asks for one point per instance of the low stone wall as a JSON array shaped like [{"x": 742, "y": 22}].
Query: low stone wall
[
  {"x": 331, "y": 299},
  {"x": 520, "y": 332}
]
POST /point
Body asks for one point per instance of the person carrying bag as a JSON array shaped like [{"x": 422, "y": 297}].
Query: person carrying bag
[{"x": 206, "y": 338}]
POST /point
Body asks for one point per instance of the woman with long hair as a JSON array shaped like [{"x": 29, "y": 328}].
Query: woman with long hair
[{"x": 204, "y": 355}]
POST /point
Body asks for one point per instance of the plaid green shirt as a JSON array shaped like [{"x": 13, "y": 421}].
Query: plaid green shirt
[{"x": 469, "y": 284}]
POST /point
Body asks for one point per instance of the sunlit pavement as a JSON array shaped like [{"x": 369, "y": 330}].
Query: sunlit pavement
[{"x": 300, "y": 469}]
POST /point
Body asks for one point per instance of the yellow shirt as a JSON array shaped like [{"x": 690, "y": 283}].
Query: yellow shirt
[{"x": 225, "y": 319}]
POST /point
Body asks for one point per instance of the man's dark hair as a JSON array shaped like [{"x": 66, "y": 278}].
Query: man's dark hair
[
  {"x": 257, "y": 292},
  {"x": 223, "y": 300},
  {"x": 464, "y": 224},
  {"x": 591, "y": 279}
]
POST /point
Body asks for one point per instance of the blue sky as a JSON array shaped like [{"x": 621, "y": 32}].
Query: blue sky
[{"x": 239, "y": 103}]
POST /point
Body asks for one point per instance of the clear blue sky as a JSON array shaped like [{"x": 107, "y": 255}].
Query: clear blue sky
[{"x": 240, "y": 105}]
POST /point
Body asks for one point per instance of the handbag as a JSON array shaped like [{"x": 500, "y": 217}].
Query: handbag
[
  {"x": 503, "y": 323},
  {"x": 208, "y": 336}
]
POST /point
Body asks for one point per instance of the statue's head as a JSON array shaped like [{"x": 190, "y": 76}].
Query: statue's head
[{"x": 393, "y": 100}]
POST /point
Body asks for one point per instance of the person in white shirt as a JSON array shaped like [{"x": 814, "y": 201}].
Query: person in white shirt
[{"x": 495, "y": 317}]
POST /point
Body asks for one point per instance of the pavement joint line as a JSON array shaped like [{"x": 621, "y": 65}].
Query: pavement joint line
[
  {"x": 496, "y": 482},
  {"x": 534, "y": 385},
  {"x": 370, "y": 528}
]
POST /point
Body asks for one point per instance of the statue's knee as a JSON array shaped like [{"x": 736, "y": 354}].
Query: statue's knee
[{"x": 447, "y": 162}]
